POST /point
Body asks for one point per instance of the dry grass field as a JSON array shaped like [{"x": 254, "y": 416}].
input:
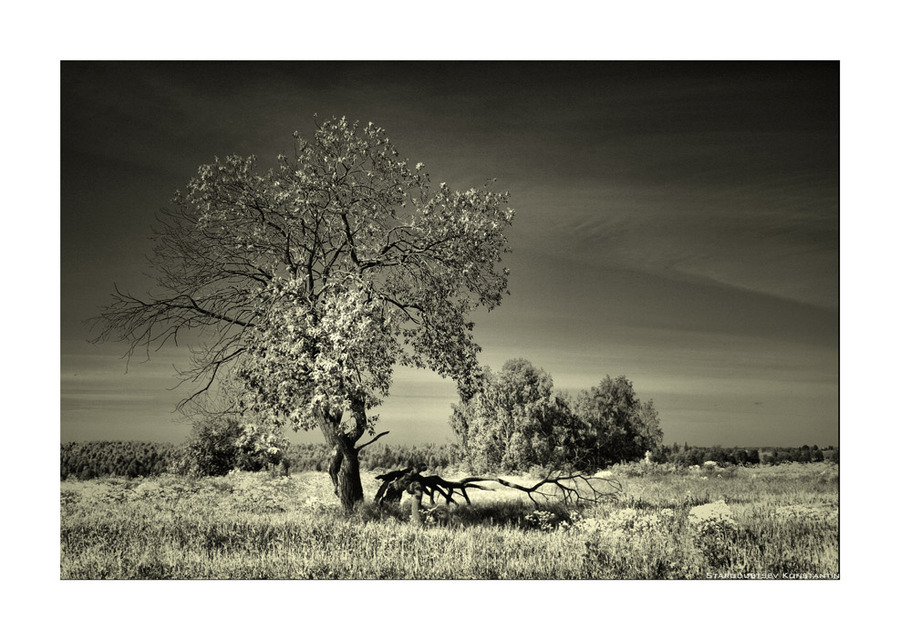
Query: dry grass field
[{"x": 763, "y": 522}]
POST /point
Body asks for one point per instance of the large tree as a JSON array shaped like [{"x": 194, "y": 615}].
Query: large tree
[{"x": 304, "y": 285}]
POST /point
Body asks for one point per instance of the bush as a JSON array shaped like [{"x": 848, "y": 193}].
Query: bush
[
  {"x": 716, "y": 531},
  {"x": 218, "y": 445}
]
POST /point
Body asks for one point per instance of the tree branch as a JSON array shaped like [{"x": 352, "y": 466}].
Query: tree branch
[{"x": 363, "y": 446}]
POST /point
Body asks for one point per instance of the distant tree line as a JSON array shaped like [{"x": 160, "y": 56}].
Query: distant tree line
[
  {"x": 687, "y": 455},
  {"x": 315, "y": 457},
  {"x": 86, "y": 460}
]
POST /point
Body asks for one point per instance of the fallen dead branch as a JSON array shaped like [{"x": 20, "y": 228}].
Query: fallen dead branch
[{"x": 576, "y": 488}]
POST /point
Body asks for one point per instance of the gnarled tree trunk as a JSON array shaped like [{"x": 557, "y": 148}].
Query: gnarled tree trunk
[
  {"x": 344, "y": 465},
  {"x": 344, "y": 471}
]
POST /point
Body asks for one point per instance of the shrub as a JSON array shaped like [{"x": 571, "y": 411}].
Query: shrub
[
  {"x": 543, "y": 520},
  {"x": 716, "y": 531},
  {"x": 216, "y": 446}
]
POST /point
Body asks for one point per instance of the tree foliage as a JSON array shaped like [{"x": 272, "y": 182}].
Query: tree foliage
[
  {"x": 307, "y": 283},
  {"x": 517, "y": 421}
]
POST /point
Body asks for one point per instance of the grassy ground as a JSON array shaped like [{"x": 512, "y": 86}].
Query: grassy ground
[{"x": 768, "y": 521}]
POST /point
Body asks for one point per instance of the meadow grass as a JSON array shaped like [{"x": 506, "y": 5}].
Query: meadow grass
[{"x": 775, "y": 521}]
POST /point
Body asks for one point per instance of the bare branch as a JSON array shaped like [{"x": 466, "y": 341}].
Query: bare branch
[{"x": 362, "y": 446}]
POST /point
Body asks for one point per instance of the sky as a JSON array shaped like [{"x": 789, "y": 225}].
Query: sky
[{"x": 676, "y": 223}]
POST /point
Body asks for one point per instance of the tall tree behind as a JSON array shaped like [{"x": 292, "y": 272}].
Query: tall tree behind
[
  {"x": 516, "y": 421},
  {"x": 307, "y": 283}
]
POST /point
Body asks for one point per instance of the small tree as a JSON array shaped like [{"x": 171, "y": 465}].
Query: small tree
[{"x": 310, "y": 281}]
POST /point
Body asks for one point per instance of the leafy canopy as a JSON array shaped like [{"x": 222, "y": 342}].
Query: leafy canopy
[{"x": 311, "y": 280}]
